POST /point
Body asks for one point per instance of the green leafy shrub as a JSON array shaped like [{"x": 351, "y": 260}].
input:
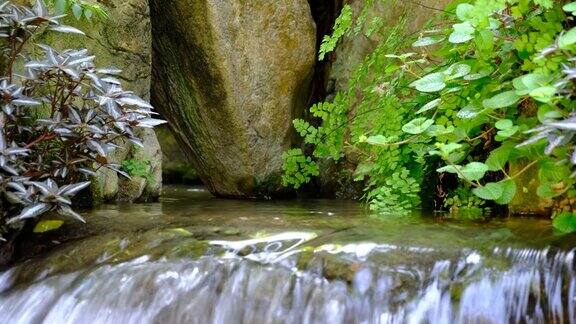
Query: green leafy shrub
[
  {"x": 79, "y": 9},
  {"x": 137, "y": 168},
  {"x": 489, "y": 84}
]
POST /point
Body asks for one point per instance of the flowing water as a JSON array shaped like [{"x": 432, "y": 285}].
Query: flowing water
[{"x": 197, "y": 259}]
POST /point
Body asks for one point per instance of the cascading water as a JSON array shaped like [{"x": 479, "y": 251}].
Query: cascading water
[
  {"x": 378, "y": 284},
  {"x": 308, "y": 276}
]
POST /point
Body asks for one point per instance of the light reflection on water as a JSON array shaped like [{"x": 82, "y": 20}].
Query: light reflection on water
[{"x": 197, "y": 259}]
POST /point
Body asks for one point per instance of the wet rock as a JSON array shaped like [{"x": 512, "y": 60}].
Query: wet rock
[
  {"x": 230, "y": 76},
  {"x": 526, "y": 201},
  {"x": 152, "y": 154},
  {"x": 176, "y": 166},
  {"x": 130, "y": 190}
]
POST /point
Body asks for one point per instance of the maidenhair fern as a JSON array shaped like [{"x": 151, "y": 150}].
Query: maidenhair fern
[{"x": 488, "y": 87}]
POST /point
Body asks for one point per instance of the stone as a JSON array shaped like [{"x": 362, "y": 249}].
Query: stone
[
  {"x": 526, "y": 202},
  {"x": 130, "y": 190},
  {"x": 176, "y": 166},
  {"x": 230, "y": 76},
  {"x": 352, "y": 50},
  {"x": 152, "y": 153}
]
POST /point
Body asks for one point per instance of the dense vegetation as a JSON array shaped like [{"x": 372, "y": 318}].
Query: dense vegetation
[
  {"x": 480, "y": 98},
  {"x": 61, "y": 117}
]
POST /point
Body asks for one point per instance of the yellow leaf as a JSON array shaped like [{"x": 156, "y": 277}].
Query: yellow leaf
[{"x": 47, "y": 225}]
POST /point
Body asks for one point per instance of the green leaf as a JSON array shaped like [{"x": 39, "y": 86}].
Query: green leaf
[
  {"x": 439, "y": 130},
  {"x": 449, "y": 169},
  {"x": 501, "y": 100},
  {"x": 474, "y": 170},
  {"x": 469, "y": 112},
  {"x": 433, "y": 82},
  {"x": 545, "y": 191},
  {"x": 491, "y": 191},
  {"x": 547, "y": 4},
  {"x": 60, "y": 6},
  {"x": 478, "y": 75},
  {"x": 505, "y": 133},
  {"x": 508, "y": 191},
  {"x": 543, "y": 94},
  {"x": 526, "y": 83},
  {"x": 565, "y": 222},
  {"x": 342, "y": 24},
  {"x": 47, "y": 225},
  {"x": 499, "y": 157},
  {"x": 504, "y": 124},
  {"x": 431, "y": 105},
  {"x": 77, "y": 11},
  {"x": 378, "y": 140},
  {"x": 459, "y": 37},
  {"x": 418, "y": 125},
  {"x": 362, "y": 170},
  {"x": 457, "y": 70},
  {"x": 464, "y": 11},
  {"x": 446, "y": 149},
  {"x": 88, "y": 13},
  {"x": 427, "y": 41},
  {"x": 465, "y": 27},
  {"x": 546, "y": 112},
  {"x": 569, "y": 38},
  {"x": 570, "y": 7}
]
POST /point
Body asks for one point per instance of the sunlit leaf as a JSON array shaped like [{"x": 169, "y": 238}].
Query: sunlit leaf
[
  {"x": 433, "y": 82},
  {"x": 567, "y": 39},
  {"x": 502, "y": 100},
  {"x": 430, "y": 105},
  {"x": 44, "y": 226},
  {"x": 66, "y": 29},
  {"x": 417, "y": 126},
  {"x": 508, "y": 192},
  {"x": 565, "y": 222},
  {"x": 427, "y": 41},
  {"x": 490, "y": 191}
]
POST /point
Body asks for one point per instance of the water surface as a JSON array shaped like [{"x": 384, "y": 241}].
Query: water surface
[{"x": 193, "y": 258}]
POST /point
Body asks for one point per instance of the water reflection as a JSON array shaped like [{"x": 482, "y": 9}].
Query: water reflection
[{"x": 194, "y": 258}]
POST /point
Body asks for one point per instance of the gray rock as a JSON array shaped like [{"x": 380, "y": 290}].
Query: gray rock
[{"x": 230, "y": 76}]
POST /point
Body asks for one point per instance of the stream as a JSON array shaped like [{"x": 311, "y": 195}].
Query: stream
[{"x": 193, "y": 258}]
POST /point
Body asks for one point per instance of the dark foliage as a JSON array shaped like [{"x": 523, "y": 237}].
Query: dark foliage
[{"x": 60, "y": 118}]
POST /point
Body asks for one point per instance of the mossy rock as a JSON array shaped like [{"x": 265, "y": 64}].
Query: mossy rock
[
  {"x": 526, "y": 202},
  {"x": 176, "y": 166},
  {"x": 230, "y": 76}
]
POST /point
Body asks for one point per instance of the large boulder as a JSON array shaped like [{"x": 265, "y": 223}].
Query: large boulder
[
  {"x": 123, "y": 40},
  {"x": 230, "y": 76}
]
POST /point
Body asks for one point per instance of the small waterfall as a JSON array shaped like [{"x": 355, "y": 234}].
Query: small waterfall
[{"x": 278, "y": 280}]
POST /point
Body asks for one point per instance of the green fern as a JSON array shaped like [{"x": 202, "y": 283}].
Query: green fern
[{"x": 341, "y": 26}]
